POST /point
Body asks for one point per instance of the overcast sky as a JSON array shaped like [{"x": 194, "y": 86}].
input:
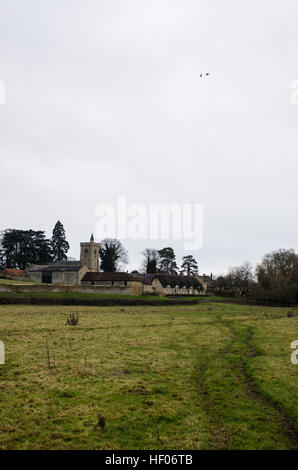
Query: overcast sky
[{"x": 104, "y": 98}]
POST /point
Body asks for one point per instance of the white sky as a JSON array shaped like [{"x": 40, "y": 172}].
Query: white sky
[{"x": 103, "y": 99}]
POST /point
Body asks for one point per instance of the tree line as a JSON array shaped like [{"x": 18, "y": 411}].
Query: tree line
[
  {"x": 275, "y": 279},
  {"x": 21, "y": 248},
  {"x": 113, "y": 256}
]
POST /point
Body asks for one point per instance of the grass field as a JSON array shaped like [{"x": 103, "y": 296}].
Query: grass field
[{"x": 206, "y": 376}]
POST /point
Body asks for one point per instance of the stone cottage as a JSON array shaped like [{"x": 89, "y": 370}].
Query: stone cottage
[
  {"x": 68, "y": 273},
  {"x": 13, "y": 274},
  {"x": 116, "y": 283},
  {"x": 164, "y": 284}
]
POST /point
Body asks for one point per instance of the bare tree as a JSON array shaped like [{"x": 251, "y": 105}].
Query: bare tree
[
  {"x": 150, "y": 260},
  {"x": 238, "y": 280},
  {"x": 112, "y": 255},
  {"x": 277, "y": 276}
]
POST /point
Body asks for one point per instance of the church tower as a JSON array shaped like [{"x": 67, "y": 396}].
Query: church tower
[{"x": 90, "y": 254}]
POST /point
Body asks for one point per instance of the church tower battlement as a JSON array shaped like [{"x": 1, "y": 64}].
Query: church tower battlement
[{"x": 90, "y": 254}]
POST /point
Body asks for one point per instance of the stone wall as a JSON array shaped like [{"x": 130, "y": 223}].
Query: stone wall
[
  {"x": 35, "y": 276},
  {"x": 136, "y": 288},
  {"x": 157, "y": 287},
  {"x": 112, "y": 290},
  {"x": 34, "y": 289},
  {"x": 148, "y": 289}
]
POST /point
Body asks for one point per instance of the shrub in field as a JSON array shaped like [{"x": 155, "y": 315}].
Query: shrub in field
[{"x": 73, "y": 319}]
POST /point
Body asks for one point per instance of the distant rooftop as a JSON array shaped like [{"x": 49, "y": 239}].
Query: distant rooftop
[
  {"x": 60, "y": 266},
  {"x": 110, "y": 277},
  {"x": 13, "y": 272}
]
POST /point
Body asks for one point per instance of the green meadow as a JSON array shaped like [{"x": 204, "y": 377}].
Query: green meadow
[{"x": 205, "y": 376}]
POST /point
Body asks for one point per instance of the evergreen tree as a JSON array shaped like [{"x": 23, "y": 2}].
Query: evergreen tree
[
  {"x": 20, "y": 248},
  {"x": 59, "y": 244},
  {"x": 189, "y": 265},
  {"x": 167, "y": 261}
]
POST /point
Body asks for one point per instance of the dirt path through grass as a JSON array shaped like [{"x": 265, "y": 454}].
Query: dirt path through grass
[
  {"x": 263, "y": 400},
  {"x": 237, "y": 354}
]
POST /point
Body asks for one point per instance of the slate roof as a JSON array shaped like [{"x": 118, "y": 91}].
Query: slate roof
[
  {"x": 61, "y": 266},
  {"x": 145, "y": 278},
  {"x": 110, "y": 277},
  {"x": 207, "y": 279}
]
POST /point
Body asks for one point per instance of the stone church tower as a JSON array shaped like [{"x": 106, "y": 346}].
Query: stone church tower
[{"x": 90, "y": 254}]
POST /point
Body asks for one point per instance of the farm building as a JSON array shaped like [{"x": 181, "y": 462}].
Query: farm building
[
  {"x": 68, "y": 272},
  {"x": 146, "y": 280},
  {"x": 62, "y": 272}
]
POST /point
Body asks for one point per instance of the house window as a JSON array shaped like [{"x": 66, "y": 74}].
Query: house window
[
  {"x": 125, "y": 283},
  {"x": 86, "y": 251}
]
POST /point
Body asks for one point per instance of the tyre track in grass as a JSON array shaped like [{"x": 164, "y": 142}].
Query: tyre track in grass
[
  {"x": 254, "y": 393},
  {"x": 218, "y": 435}
]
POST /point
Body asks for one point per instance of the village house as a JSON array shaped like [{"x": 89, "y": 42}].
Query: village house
[
  {"x": 164, "y": 284},
  {"x": 119, "y": 283},
  {"x": 167, "y": 284},
  {"x": 84, "y": 274},
  {"x": 207, "y": 282},
  {"x": 146, "y": 280},
  {"x": 13, "y": 274}
]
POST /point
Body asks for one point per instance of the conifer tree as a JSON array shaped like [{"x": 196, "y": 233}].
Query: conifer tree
[{"x": 59, "y": 244}]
